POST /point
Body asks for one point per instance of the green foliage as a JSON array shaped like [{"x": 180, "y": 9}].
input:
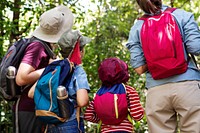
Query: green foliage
[
  {"x": 109, "y": 30},
  {"x": 5, "y": 116},
  {"x": 107, "y": 22}
]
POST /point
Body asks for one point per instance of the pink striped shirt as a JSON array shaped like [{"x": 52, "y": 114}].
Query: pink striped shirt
[{"x": 135, "y": 108}]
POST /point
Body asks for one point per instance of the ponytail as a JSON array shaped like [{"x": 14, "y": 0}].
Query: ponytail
[{"x": 150, "y": 6}]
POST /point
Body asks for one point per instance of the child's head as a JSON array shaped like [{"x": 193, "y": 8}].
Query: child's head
[
  {"x": 150, "y": 6},
  {"x": 68, "y": 40},
  {"x": 113, "y": 71}
]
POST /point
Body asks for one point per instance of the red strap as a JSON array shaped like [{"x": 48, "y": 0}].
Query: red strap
[{"x": 170, "y": 9}]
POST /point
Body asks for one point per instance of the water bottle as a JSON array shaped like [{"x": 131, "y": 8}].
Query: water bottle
[
  {"x": 64, "y": 102},
  {"x": 11, "y": 83}
]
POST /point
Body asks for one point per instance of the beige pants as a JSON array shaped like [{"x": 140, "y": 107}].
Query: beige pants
[{"x": 167, "y": 103}]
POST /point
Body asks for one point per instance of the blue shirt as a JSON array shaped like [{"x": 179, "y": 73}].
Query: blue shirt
[
  {"x": 78, "y": 81},
  {"x": 191, "y": 36}
]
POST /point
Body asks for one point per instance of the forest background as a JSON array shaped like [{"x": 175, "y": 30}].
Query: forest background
[{"x": 107, "y": 22}]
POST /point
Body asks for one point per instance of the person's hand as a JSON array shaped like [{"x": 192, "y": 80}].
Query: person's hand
[{"x": 142, "y": 69}]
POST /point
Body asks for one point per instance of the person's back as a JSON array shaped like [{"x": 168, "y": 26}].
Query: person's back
[
  {"x": 72, "y": 45},
  {"x": 113, "y": 72},
  {"x": 33, "y": 63},
  {"x": 175, "y": 88}
]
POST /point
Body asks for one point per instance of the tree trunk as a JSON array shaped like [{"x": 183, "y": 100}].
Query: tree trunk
[{"x": 16, "y": 13}]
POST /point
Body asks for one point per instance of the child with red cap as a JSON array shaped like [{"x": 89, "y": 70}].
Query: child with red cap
[{"x": 113, "y": 73}]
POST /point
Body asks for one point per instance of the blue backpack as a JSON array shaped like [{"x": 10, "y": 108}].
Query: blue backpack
[{"x": 45, "y": 96}]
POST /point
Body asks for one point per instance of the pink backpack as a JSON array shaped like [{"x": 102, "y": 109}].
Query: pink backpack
[
  {"x": 111, "y": 105},
  {"x": 110, "y": 102},
  {"x": 163, "y": 45}
]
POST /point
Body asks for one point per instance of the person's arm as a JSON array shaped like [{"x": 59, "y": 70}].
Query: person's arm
[
  {"x": 32, "y": 90},
  {"x": 90, "y": 114},
  {"x": 142, "y": 69},
  {"x": 27, "y": 74},
  {"x": 137, "y": 59},
  {"x": 81, "y": 86},
  {"x": 82, "y": 97},
  {"x": 136, "y": 109},
  {"x": 190, "y": 30},
  {"x": 34, "y": 56}
]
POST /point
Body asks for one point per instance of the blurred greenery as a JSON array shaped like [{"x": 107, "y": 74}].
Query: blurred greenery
[{"x": 107, "y": 22}]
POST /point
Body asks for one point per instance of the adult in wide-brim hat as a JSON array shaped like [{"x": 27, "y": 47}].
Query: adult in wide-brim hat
[{"x": 53, "y": 23}]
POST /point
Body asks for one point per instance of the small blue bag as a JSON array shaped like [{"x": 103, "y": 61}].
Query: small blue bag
[{"x": 45, "y": 95}]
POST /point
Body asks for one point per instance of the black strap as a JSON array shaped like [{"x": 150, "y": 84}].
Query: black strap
[{"x": 193, "y": 58}]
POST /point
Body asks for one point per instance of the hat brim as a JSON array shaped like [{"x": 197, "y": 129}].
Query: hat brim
[
  {"x": 85, "y": 40},
  {"x": 67, "y": 25}
]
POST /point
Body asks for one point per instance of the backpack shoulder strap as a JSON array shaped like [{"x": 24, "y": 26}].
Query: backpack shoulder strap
[
  {"x": 144, "y": 17},
  {"x": 124, "y": 87},
  {"x": 78, "y": 112},
  {"x": 170, "y": 9},
  {"x": 47, "y": 48}
]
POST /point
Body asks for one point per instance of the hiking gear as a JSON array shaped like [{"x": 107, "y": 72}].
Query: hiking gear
[
  {"x": 10, "y": 81},
  {"x": 13, "y": 58},
  {"x": 63, "y": 102},
  {"x": 162, "y": 45},
  {"x": 113, "y": 71},
  {"x": 111, "y": 105},
  {"x": 45, "y": 95},
  {"x": 53, "y": 23}
]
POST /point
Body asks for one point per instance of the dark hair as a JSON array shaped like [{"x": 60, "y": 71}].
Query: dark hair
[{"x": 150, "y": 6}]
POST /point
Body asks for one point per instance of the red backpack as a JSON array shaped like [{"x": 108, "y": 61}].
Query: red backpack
[
  {"x": 111, "y": 105},
  {"x": 110, "y": 102},
  {"x": 162, "y": 45}
]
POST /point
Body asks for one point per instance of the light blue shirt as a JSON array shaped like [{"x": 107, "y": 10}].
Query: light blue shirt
[
  {"x": 191, "y": 36},
  {"x": 79, "y": 81}
]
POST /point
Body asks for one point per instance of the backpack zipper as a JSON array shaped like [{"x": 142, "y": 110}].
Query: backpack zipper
[
  {"x": 116, "y": 107},
  {"x": 50, "y": 94}
]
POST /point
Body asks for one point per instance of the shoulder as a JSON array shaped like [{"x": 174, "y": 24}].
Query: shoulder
[
  {"x": 181, "y": 12},
  {"x": 80, "y": 72},
  {"x": 134, "y": 34},
  {"x": 35, "y": 46},
  {"x": 79, "y": 69},
  {"x": 182, "y": 16},
  {"x": 130, "y": 89},
  {"x": 137, "y": 25}
]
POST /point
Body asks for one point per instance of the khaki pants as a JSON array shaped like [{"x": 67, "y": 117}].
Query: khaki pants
[{"x": 166, "y": 103}]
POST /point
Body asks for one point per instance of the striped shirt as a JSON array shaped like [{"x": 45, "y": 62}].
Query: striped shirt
[{"x": 135, "y": 108}]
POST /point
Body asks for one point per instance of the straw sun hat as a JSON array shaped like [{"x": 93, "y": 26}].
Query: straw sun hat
[{"x": 53, "y": 23}]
